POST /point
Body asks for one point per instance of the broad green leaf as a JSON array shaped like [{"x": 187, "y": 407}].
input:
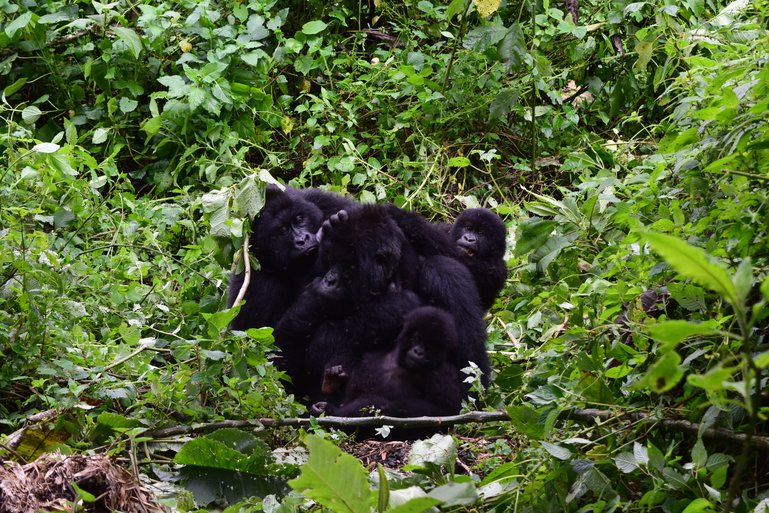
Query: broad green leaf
[
  {"x": 205, "y": 452},
  {"x": 699, "y": 453},
  {"x": 674, "y": 141},
  {"x": 502, "y": 104},
  {"x": 698, "y": 505},
  {"x": 456, "y": 7},
  {"x": 714, "y": 379},
  {"x": 313, "y": 27},
  {"x": 333, "y": 478},
  {"x": 127, "y": 105},
  {"x": 533, "y": 234},
  {"x": 626, "y": 462},
  {"x": 692, "y": 262},
  {"x": 562, "y": 453},
  {"x": 459, "y": 162},
  {"x": 195, "y": 97},
  {"x": 455, "y": 494},
  {"x": 416, "y": 505},
  {"x": 131, "y": 39},
  {"x": 46, "y": 148},
  {"x": 383, "y": 497},
  {"x": 527, "y": 421},
  {"x": 486, "y": 7},
  {"x": 670, "y": 333},
  {"x": 644, "y": 51},
  {"x": 663, "y": 375},
  {"x": 100, "y": 135},
  {"x": 18, "y": 24},
  {"x": 31, "y": 114},
  {"x": 641, "y": 454}
]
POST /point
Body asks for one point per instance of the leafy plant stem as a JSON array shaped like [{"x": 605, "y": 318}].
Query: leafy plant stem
[
  {"x": 457, "y": 40},
  {"x": 533, "y": 106}
]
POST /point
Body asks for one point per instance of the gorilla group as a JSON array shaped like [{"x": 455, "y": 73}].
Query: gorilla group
[{"x": 375, "y": 309}]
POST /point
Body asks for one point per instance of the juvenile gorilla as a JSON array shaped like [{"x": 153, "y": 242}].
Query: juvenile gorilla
[
  {"x": 358, "y": 305},
  {"x": 415, "y": 378},
  {"x": 285, "y": 243},
  {"x": 443, "y": 281},
  {"x": 480, "y": 236}
]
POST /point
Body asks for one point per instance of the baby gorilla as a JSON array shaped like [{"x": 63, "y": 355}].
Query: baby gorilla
[
  {"x": 414, "y": 379},
  {"x": 284, "y": 241},
  {"x": 480, "y": 237}
]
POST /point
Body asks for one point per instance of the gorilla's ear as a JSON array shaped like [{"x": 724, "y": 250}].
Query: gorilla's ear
[{"x": 272, "y": 191}]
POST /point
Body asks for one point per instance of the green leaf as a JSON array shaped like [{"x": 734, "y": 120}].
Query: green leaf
[
  {"x": 384, "y": 489},
  {"x": 663, "y": 375},
  {"x": 527, "y": 420},
  {"x": 626, "y": 462},
  {"x": 714, "y": 379},
  {"x": 205, "y": 452},
  {"x": 333, "y": 478},
  {"x": 455, "y": 7},
  {"x": 670, "y": 333},
  {"x": 698, "y": 505},
  {"x": 313, "y": 27},
  {"x": 455, "y": 494},
  {"x": 743, "y": 279},
  {"x": 100, "y": 135},
  {"x": 692, "y": 262},
  {"x": 131, "y": 39},
  {"x": 9, "y": 90},
  {"x": 459, "y": 162},
  {"x": 31, "y": 114},
  {"x": 674, "y": 141},
  {"x": 562, "y": 453},
  {"x": 127, "y": 105},
  {"x": 18, "y": 24},
  {"x": 417, "y": 505},
  {"x": 532, "y": 234},
  {"x": 502, "y": 104}
]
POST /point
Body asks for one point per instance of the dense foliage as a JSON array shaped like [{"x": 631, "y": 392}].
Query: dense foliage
[{"x": 625, "y": 143}]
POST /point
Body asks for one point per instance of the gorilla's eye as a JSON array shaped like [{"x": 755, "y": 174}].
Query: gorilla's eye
[
  {"x": 381, "y": 258},
  {"x": 299, "y": 219}
]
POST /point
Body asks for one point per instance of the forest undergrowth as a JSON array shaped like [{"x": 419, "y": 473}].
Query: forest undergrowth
[{"x": 625, "y": 144}]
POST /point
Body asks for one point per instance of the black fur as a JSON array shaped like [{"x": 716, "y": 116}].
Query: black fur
[
  {"x": 480, "y": 236},
  {"x": 358, "y": 304},
  {"x": 284, "y": 240},
  {"x": 415, "y": 378}
]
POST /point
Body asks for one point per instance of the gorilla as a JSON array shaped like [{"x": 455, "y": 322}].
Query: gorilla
[
  {"x": 442, "y": 280},
  {"x": 480, "y": 237},
  {"x": 415, "y": 378},
  {"x": 358, "y": 303},
  {"x": 284, "y": 240}
]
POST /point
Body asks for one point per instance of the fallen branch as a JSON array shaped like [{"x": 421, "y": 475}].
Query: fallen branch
[{"x": 586, "y": 416}]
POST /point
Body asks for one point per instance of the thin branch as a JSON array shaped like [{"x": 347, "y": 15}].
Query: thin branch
[
  {"x": 588, "y": 415},
  {"x": 247, "y": 276}
]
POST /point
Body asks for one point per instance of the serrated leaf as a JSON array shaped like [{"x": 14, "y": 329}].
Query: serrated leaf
[
  {"x": 100, "y": 135},
  {"x": 562, "y": 453},
  {"x": 176, "y": 85},
  {"x": 333, "y": 478},
  {"x": 313, "y": 27},
  {"x": 693, "y": 262},
  {"x": 195, "y": 97},
  {"x": 626, "y": 462},
  {"x": 502, "y": 104},
  {"x": 131, "y": 39},
  {"x": 641, "y": 454}
]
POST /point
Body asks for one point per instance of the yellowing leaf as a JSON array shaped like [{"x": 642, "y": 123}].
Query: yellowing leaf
[{"x": 486, "y": 7}]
